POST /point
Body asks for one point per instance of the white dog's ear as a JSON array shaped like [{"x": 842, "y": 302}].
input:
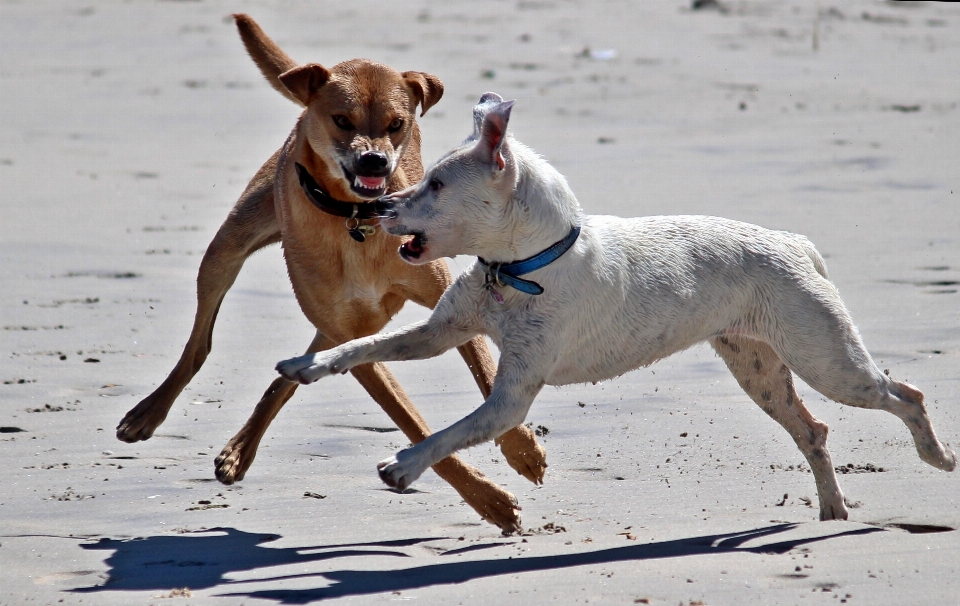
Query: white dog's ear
[
  {"x": 487, "y": 101},
  {"x": 493, "y": 133}
]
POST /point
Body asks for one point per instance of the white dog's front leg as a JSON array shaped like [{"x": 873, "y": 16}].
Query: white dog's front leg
[
  {"x": 506, "y": 408},
  {"x": 418, "y": 341},
  {"x": 311, "y": 367}
]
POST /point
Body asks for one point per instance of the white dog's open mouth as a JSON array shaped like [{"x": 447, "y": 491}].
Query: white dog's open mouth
[{"x": 413, "y": 249}]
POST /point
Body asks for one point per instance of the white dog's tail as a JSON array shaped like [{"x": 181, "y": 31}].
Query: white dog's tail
[{"x": 818, "y": 263}]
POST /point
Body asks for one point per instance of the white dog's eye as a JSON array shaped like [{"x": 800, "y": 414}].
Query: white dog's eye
[{"x": 435, "y": 185}]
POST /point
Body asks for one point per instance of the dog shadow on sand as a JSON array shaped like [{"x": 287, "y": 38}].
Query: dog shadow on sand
[{"x": 202, "y": 560}]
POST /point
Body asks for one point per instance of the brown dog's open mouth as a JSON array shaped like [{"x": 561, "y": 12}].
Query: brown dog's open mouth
[
  {"x": 413, "y": 248},
  {"x": 372, "y": 186}
]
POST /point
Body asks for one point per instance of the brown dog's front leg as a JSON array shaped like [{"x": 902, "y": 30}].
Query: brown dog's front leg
[
  {"x": 250, "y": 226},
  {"x": 236, "y": 457},
  {"x": 217, "y": 272},
  {"x": 493, "y": 503},
  {"x": 519, "y": 445}
]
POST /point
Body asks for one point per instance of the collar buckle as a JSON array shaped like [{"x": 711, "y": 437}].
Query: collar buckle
[{"x": 508, "y": 274}]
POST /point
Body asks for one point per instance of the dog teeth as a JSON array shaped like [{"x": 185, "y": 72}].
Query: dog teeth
[{"x": 369, "y": 182}]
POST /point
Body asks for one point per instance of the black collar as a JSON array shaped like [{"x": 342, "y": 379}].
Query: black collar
[{"x": 332, "y": 206}]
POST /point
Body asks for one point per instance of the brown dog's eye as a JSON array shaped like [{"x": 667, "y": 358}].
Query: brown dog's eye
[
  {"x": 396, "y": 125},
  {"x": 342, "y": 122}
]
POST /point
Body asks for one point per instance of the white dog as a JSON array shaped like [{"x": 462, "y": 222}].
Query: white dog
[{"x": 601, "y": 296}]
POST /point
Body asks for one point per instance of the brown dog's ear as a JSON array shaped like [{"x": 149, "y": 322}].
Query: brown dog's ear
[
  {"x": 305, "y": 80},
  {"x": 428, "y": 89}
]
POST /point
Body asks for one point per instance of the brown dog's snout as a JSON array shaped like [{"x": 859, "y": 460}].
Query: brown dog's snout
[{"x": 372, "y": 161}]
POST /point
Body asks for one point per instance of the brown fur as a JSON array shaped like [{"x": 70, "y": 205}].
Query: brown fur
[{"x": 345, "y": 288}]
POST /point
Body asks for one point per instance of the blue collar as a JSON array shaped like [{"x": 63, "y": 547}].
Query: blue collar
[{"x": 506, "y": 274}]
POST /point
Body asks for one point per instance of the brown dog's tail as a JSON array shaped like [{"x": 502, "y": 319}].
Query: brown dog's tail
[{"x": 271, "y": 60}]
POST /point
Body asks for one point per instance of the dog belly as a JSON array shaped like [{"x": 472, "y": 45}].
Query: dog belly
[{"x": 615, "y": 359}]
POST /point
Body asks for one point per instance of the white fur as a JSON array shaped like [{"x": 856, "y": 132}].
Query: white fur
[{"x": 629, "y": 292}]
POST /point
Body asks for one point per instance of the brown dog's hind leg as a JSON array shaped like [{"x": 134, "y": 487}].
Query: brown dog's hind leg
[
  {"x": 251, "y": 225},
  {"x": 767, "y": 380},
  {"x": 236, "y": 457},
  {"x": 494, "y": 504}
]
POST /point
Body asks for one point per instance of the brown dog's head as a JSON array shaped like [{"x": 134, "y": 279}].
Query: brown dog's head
[{"x": 360, "y": 117}]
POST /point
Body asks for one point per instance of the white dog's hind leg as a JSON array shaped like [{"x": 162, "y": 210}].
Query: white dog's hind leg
[
  {"x": 823, "y": 348},
  {"x": 768, "y": 381},
  {"x": 906, "y": 401}
]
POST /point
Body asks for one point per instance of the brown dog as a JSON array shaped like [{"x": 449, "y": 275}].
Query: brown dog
[{"x": 357, "y": 140}]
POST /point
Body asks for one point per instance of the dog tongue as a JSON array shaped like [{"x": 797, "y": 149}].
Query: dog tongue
[
  {"x": 413, "y": 247},
  {"x": 371, "y": 182}
]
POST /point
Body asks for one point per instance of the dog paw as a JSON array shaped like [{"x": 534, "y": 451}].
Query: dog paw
[
  {"x": 833, "y": 508},
  {"x": 395, "y": 474},
  {"x": 951, "y": 463},
  {"x": 494, "y": 504},
  {"x": 140, "y": 423},
  {"x": 940, "y": 456},
  {"x": 233, "y": 461},
  {"x": 519, "y": 446},
  {"x": 307, "y": 369}
]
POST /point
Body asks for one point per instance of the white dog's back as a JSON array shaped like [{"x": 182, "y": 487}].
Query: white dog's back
[{"x": 634, "y": 291}]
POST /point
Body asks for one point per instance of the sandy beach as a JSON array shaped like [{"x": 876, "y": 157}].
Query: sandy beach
[{"x": 127, "y": 131}]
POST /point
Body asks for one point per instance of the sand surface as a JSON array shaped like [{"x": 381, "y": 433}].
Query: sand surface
[{"x": 128, "y": 129}]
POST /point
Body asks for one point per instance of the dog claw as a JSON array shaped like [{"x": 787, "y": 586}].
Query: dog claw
[{"x": 494, "y": 504}]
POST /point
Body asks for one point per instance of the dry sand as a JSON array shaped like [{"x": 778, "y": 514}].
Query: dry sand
[{"x": 129, "y": 129}]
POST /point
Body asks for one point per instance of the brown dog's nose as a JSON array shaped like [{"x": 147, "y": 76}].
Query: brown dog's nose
[{"x": 372, "y": 161}]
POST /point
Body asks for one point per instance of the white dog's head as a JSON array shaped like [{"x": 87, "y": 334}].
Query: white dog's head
[
  {"x": 491, "y": 197},
  {"x": 465, "y": 200}
]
